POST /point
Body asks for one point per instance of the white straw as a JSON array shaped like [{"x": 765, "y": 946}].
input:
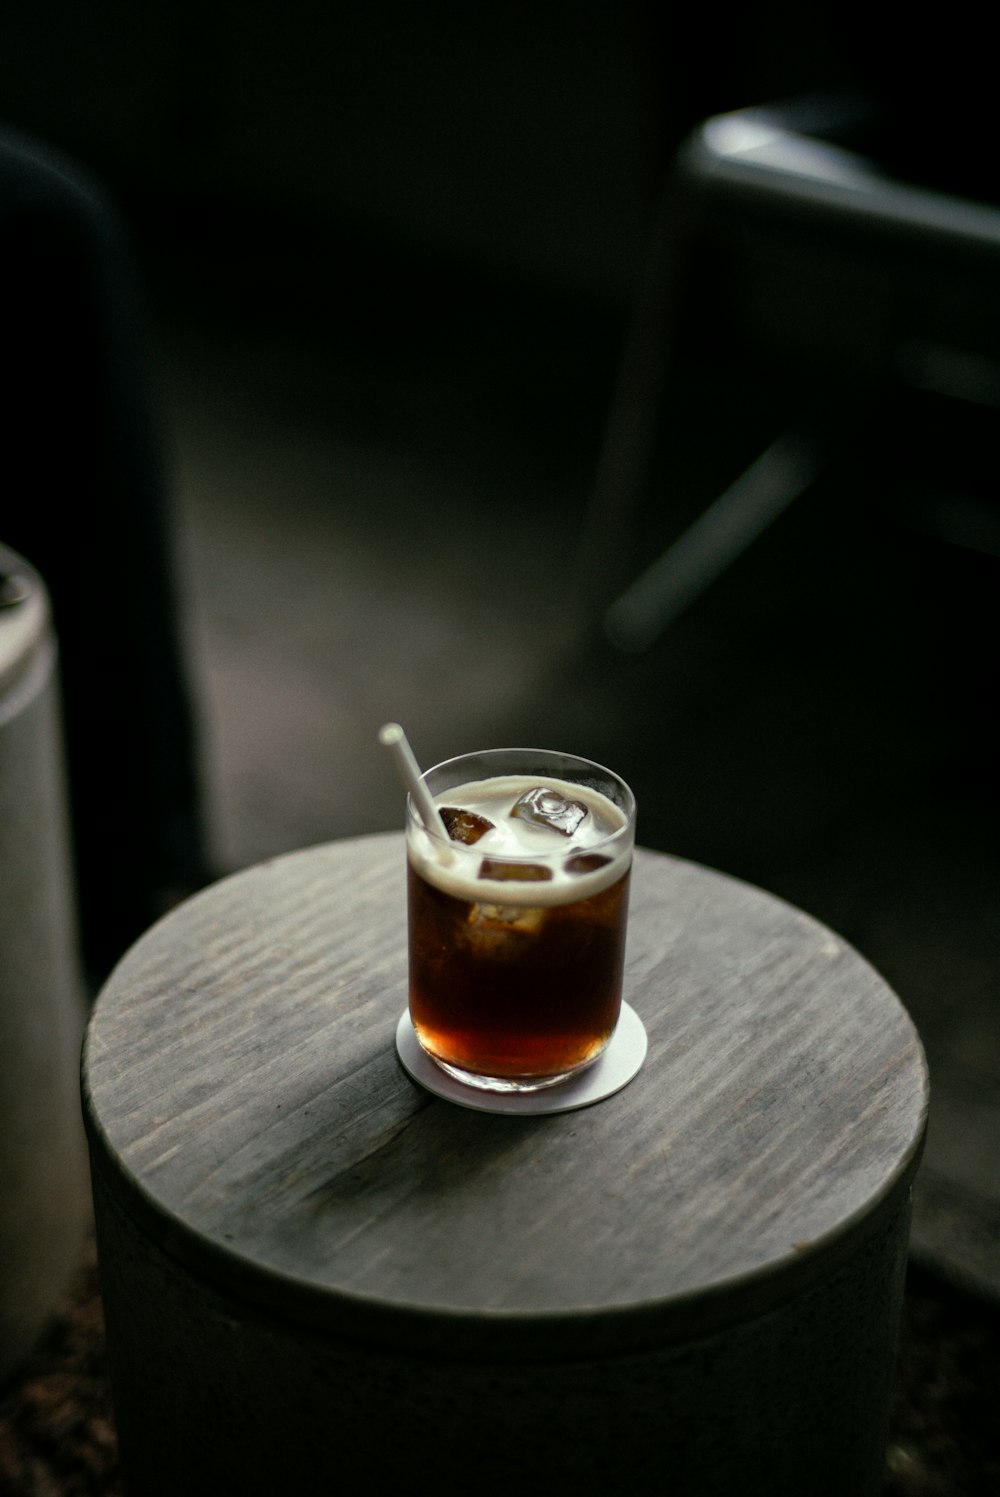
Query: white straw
[{"x": 393, "y": 738}]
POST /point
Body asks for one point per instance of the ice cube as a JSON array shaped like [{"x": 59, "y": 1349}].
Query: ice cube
[
  {"x": 533, "y": 873},
  {"x": 545, "y": 807},
  {"x": 495, "y": 920},
  {"x": 464, "y": 826},
  {"x": 586, "y": 862}
]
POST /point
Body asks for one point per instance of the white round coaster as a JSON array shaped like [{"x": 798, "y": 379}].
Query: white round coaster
[{"x": 615, "y": 1069}]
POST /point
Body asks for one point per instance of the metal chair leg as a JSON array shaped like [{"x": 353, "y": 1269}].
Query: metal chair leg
[{"x": 714, "y": 541}]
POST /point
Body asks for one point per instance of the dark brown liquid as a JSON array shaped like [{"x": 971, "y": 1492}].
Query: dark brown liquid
[{"x": 528, "y": 997}]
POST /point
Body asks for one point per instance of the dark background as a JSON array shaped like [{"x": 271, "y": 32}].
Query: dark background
[
  {"x": 390, "y": 253},
  {"x": 522, "y": 141}
]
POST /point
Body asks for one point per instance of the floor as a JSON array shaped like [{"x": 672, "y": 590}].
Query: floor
[{"x": 383, "y": 522}]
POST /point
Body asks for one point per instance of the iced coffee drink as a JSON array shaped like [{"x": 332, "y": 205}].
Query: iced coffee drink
[{"x": 517, "y": 916}]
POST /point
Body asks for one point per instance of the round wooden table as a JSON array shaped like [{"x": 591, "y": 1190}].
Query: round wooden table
[{"x": 316, "y": 1274}]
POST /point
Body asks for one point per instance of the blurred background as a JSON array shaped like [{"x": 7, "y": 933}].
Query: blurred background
[{"x": 429, "y": 381}]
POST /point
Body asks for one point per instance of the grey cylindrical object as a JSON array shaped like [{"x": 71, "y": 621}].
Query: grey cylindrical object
[{"x": 44, "y": 1206}]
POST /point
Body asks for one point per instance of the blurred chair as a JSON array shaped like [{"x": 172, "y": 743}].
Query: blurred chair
[
  {"x": 86, "y": 502},
  {"x": 866, "y": 292}
]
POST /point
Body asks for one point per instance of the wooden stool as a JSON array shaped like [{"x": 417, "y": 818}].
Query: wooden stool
[{"x": 318, "y": 1276}]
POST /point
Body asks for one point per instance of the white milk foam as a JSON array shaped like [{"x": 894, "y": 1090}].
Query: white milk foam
[{"x": 515, "y": 838}]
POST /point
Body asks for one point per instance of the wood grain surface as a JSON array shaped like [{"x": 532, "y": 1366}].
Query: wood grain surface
[{"x": 244, "y": 1100}]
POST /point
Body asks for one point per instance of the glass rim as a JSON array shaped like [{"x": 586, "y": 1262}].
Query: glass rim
[{"x": 622, "y": 833}]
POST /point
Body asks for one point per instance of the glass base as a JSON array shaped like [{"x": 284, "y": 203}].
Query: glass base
[
  {"x": 614, "y": 1068},
  {"x": 515, "y": 1084}
]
